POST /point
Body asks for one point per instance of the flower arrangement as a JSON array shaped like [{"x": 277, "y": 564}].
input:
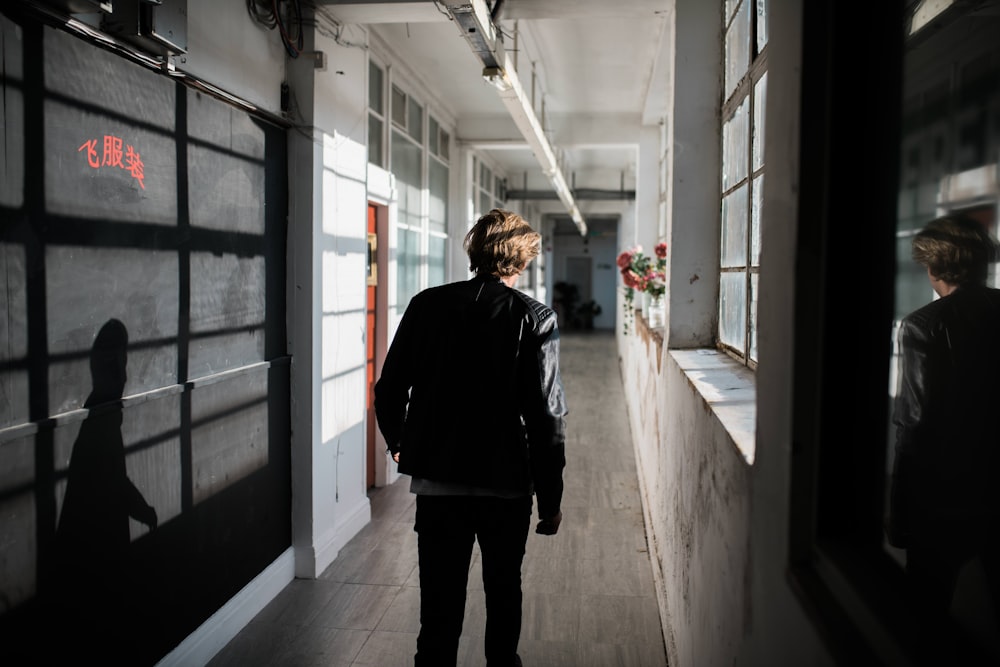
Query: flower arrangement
[{"x": 642, "y": 273}]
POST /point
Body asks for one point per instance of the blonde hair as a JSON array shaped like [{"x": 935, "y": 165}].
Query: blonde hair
[
  {"x": 501, "y": 243},
  {"x": 956, "y": 249}
]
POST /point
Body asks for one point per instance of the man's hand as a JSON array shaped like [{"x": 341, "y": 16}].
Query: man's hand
[{"x": 549, "y": 526}]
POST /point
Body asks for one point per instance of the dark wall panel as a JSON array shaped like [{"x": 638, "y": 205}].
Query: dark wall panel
[{"x": 144, "y": 417}]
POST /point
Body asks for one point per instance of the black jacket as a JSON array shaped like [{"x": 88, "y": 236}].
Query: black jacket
[
  {"x": 946, "y": 418},
  {"x": 470, "y": 391}
]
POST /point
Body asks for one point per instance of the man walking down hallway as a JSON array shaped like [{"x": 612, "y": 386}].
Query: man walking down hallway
[{"x": 588, "y": 594}]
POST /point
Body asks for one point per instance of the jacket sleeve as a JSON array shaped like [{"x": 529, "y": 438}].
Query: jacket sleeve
[
  {"x": 544, "y": 416},
  {"x": 392, "y": 391},
  {"x": 909, "y": 420}
]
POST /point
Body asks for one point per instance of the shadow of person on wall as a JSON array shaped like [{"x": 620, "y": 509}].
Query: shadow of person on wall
[{"x": 93, "y": 537}]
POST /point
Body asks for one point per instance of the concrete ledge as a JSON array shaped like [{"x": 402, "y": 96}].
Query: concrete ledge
[{"x": 729, "y": 390}]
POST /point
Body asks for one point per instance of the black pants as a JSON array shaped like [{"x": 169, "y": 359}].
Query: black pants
[
  {"x": 932, "y": 570},
  {"x": 447, "y": 527}
]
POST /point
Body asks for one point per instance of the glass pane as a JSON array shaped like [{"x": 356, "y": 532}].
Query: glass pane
[
  {"x": 759, "y": 114},
  {"x": 912, "y": 287},
  {"x": 734, "y": 229},
  {"x": 375, "y": 141},
  {"x": 375, "y": 88},
  {"x": 498, "y": 190},
  {"x": 432, "y": 135},
  {"x": 445, "y": 138},
  {"x": 949, "y": 143},
  {"x": 406, "y": 167},
  {"x": 485, "y": 202},
  {"x": 732, "y": 310},
  {"x": 437, "y": 187},
  {"x": 758, "y": 200},
  {"x": 753, "y": 316},
  {"x": 761, "y": 24},
  {"x": 398, "y": 107},
  {"x": 407, "y": 266},
  {"x": 436, "y": 253},
  {"x": 485, "y": 179},
  {"x": 415, "y": 121},
  {"x": 737, "y": 48},
  {"x": 735, "y": 133}
]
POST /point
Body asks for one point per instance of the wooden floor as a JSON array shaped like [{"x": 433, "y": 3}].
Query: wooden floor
[{"x": 588, "y": 591}]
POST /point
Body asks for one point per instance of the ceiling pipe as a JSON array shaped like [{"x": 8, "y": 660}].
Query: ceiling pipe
[{"x": 477, "y": 24}]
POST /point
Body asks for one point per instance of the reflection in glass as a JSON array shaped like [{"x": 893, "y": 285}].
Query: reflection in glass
[{"x": 950, "y": 143}]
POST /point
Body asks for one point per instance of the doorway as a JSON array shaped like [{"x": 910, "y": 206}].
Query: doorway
[{"x": 370, "y": 329}]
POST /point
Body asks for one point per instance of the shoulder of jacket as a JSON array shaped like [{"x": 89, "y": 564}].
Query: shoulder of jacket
[
  {"x": 926, "y": 319},
  {"x": 541, "y": 315},
  {"x": 437, "y": 292}
]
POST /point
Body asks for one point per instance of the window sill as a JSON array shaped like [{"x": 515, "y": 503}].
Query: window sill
[{"x": 729, "y": 390}]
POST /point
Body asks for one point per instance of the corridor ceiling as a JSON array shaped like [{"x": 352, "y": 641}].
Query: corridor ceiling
[{"x": 599, "y": 65}]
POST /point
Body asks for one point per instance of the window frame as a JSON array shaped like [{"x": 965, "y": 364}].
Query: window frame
[
  {"x": 743, "y": 92},
  {"x": 837, "y": 564},
  {"x": 378, "y": 114},
  {"x": 401, "y": 130}
]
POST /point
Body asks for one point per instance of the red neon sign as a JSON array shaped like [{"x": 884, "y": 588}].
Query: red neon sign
[{"x": 113, "y": 155}]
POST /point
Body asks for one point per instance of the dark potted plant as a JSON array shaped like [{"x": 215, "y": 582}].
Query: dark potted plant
[{"x": 586, "y": 312}]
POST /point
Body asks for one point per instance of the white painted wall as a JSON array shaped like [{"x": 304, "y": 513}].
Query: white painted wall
[
  {"x": 229, "y": 50},
  {"x": 339, "y": 499},
  {"x": 693, "y": 201}
]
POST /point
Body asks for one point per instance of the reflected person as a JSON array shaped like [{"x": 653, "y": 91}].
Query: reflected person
[
  {"x": 472, "y": 407},
  {"x": 943, "y": 507}
]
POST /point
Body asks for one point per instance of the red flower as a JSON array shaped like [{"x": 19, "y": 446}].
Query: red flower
[
  {"x": 624, "y": 260},
  {"x": 661, "y": 250}
]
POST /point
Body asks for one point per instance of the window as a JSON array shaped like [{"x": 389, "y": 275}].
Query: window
[
  {"x": 490, "y": 190},
  {"x": 437, "y": 214},
  {"x": 419, "y": 161},
  {"x": 407, "y": 166},
  {"x": 407, "y": 114},
  {"x": 949, "y": 143},
  {"x": 743, "y": 114},
  {"x": 857, "y": 212},
  {"x": 376, "y": 114},
  {"x": 489, "y": 186}
]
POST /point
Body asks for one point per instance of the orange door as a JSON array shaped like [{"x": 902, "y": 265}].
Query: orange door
[{"x": 370, "y": 344}]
